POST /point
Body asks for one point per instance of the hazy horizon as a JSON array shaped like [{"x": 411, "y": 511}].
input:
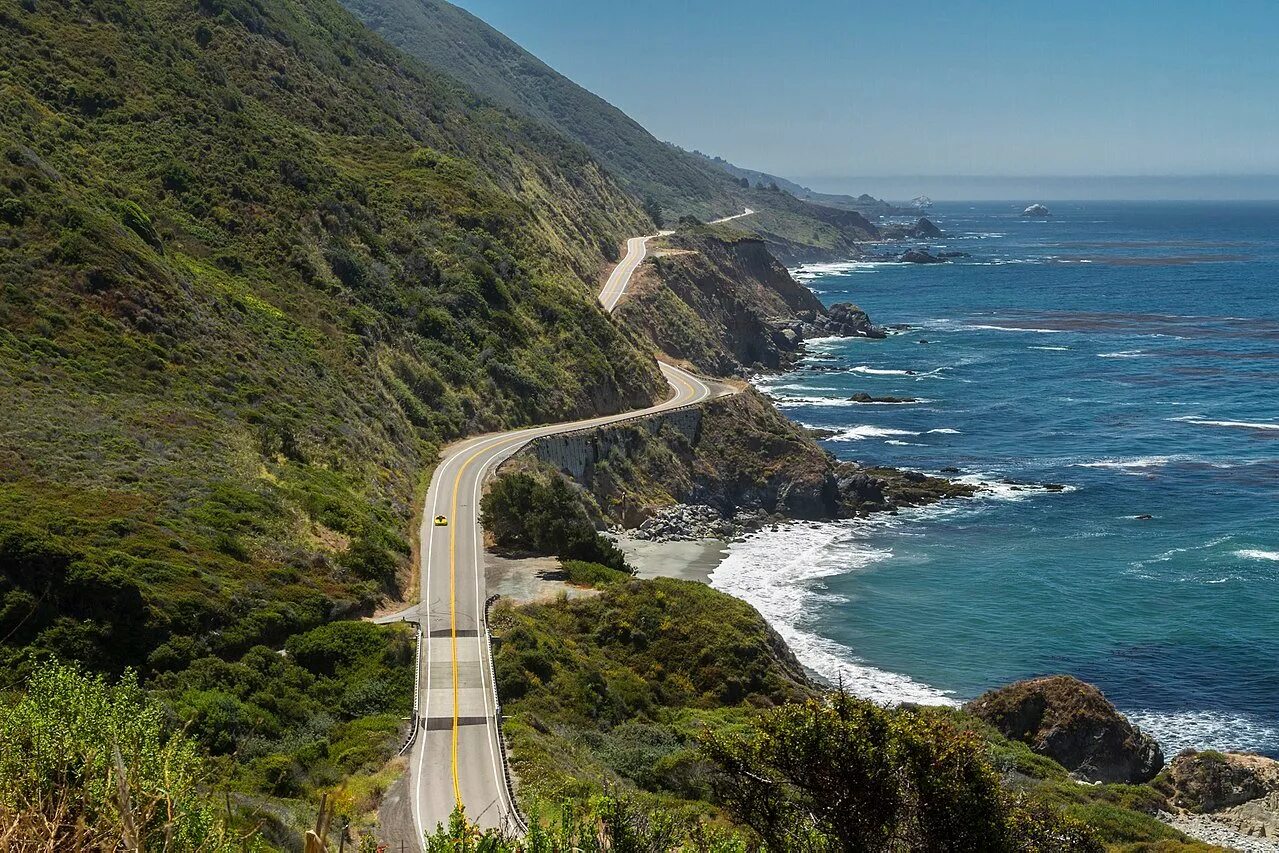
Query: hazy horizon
[
  {"x": 825, "y": 92},
  {"x": 1060, "y": 188}
]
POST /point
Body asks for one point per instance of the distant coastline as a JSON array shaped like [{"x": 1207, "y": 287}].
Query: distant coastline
[{"x": 1234, "y": 189}]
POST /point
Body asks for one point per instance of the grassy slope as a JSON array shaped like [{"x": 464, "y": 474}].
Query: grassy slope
[
  {"x": 612, "y": 689},
  {"x": 452, "y": 39},
  {"x": 255, "y": 265}
]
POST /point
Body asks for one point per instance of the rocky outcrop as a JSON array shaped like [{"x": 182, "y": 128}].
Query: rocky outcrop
[
  {"x": 922, "y": 228},
  {"x": 736, "y": 459},
  {"x": 1075, "y": 725},
  {"x": 1212, "y": 781},
  {"x": 1226, "y": 798},
  {"x": 723, "y": 303},
  {"x": 843, "y": 320},
  {"x": 921, "y": 256},
  {"x": 863, "y": 490},
  {"x": 1037, "y": 211}
]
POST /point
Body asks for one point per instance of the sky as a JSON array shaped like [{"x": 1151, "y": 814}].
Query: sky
[{"x": 854, "y": 95}]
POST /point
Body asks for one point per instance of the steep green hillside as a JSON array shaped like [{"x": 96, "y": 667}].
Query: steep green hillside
[
  {"x": 255, "y": 266},
  {"x": 681, "y": 182}
]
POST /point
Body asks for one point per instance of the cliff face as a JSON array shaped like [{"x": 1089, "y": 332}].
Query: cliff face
[
  {"x": 734, "y": 454},
  {"x": 798, "y": 232},
  {"x": 722, "y": 301}
]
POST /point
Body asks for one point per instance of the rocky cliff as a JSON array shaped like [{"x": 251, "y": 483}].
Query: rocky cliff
[
  {"x": 720, "y": 300},
  {"x": 737, "y": 456}
]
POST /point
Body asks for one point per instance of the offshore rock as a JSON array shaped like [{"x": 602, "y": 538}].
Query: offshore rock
[
  {"x": 845, "y": 320},
  {"x": 922, "y": 228},
  {"x": 921, "y": 256}
]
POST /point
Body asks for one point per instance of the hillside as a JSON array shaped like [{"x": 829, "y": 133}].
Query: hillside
[
  {"x": 865, "y": 203},
  {"x": 257, "y": 265},
  {"x": 682, "y": 183},
  {"x": 717, "y": 299}
]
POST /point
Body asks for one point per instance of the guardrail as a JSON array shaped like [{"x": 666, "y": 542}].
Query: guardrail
[
  {"x": 642, "y": 416},
  {"x": 516, "y": 815},
  {"x": 417, "y": 693}
]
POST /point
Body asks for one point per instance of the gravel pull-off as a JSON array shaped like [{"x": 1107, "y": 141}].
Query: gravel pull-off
[{"x": 1204, "y": 828}]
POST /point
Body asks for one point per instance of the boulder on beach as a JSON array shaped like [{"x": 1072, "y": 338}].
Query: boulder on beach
[
  {"x": 1037, "y": 211},
  {"x": 1075, "y": 725}
]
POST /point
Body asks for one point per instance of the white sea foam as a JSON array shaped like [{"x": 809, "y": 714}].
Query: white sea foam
[
  {"x": 781, "y": 573},
  {"x": 990, "y": 328},
  {"x": 1127, "y": 353},
  {"x": 810, "y": 272},
  {"x": 1139, "y": 568},
  {"x": 878, "y": 371},
  {"x": 1139, "y": 462},
  {"x": 992, "y": 487},
  {"x": 1197, "y": 419},
  {"x": 1052, "y": 349},
  {"x": 867, "y": 370},
  {"x": 861, "y": 433},
  {"x": 798, "y": 386},
  {"x": 945, "y": 431},
  {"x": 1258, "y": 554},
  {"x": 1180, "y": 730},
  {"x": 784, "y": 402}
]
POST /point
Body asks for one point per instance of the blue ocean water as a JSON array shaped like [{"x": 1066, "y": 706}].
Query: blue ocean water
[{"x": 1127, "y": 351}]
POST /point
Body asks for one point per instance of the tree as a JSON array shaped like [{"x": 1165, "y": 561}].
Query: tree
[
  {"x": 548, "y": 517},
  {"x": 654, "y": 211}
]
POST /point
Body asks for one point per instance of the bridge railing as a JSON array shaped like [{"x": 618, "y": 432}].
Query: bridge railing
[
  {"x": 517, "y": 817},
  {"x": 417, "y": 693}
]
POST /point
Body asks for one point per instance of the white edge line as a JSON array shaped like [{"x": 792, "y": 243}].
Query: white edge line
[{"x": 529, "y": 434}]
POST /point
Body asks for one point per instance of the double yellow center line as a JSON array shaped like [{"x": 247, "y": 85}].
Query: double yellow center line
[{"x": 453, "y": 525}]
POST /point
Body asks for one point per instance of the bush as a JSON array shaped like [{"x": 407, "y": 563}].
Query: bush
[
  {"x": 844, "y": 773},
  {"x": 546, "y": 517},
  {"x": 582, "y": 573},
  {"x": 85, "y": 764}
]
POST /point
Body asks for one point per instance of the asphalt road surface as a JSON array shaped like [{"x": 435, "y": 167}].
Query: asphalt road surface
[{"x": 457, "y": 757}]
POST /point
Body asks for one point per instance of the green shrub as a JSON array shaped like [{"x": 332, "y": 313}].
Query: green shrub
[
  {"x": 842, "y": 773},
  {"x": 581, "y": 573},
  {"x": 548, "y": 517},
  {"x": 85, "y": 764}
]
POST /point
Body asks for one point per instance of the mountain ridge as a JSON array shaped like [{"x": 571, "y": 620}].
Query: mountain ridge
[{"x": 676, "y": 182}]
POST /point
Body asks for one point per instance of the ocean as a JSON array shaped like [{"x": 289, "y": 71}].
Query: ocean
[{"x": 1127, "y": 351}]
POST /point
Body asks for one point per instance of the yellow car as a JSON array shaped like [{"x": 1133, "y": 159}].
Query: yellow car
[{"x": 441, "y": 521}]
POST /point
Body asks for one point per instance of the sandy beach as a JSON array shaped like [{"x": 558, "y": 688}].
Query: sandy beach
[
  {"x": 690, "y": 561},
  {"x": 529, "y": 579}
]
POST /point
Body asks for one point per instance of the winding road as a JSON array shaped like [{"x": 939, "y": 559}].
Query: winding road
[{"x": 457, "y": 754}]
